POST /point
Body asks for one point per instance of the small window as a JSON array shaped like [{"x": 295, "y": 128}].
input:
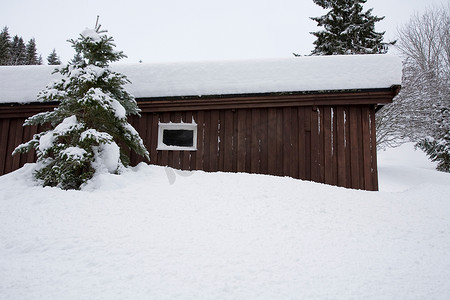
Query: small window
[{"x": 177, "y": 136}]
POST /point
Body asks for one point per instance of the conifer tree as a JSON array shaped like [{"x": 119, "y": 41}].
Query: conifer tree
[
  {"x": 31, "y": 54},
  {"x": 18, "y": 52},
  {"x": 90, "y": 133},
  {"x": 437, "y": 147},
  {"x": 347, "y": 29},
  {"x": 5, "y": 47},
  {"x": 53, "y": 58}
]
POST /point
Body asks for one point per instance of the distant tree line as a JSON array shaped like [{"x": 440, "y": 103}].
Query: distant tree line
[{"x": 14, "y": 51}]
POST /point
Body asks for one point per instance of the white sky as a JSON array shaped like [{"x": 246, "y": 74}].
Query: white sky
[{"x": 182, "y": 30}]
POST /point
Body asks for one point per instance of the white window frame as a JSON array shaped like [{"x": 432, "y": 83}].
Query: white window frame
[{"x": 176, "y": 126}]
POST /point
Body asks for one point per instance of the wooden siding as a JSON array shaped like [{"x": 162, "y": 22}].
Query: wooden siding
[
  {"x": 327, "y": 144},
  {"x": 332, "y": 143}
]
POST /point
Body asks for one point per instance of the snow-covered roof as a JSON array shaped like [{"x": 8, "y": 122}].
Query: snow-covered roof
[{"x": 20, "y": 84}]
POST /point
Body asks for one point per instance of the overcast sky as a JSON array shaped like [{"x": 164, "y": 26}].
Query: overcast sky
[{"x": 188, "y": 30}]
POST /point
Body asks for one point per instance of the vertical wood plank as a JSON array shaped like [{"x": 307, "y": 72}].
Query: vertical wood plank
[
  {"x": 287, "y": 143},
  {"x": 264, "y": 142},
  {"x": 321, "y": 156},
  {"x": 348, "y": 152},
  {"x": 272, "y": 138},
  {"x": 221, "y": 148},
  {"x": 145, "y": 121},
  {"x": 4, "y": 135},
  {"x": 367, "y": 159},
  {"x": 207, "y": 141},
  {"x": 254, "y": 143},
  {"x": 234, "y": 154},
  {"x": 294, "y": 138},
  {"x": 147, "y": 138},
  {"x": 241, "y": 147},
  {"x": 9, "y": 166},
  {"x": 154, "y": 139},
  {"x": 373, "y": 144},
  {"x": 315, "y": 151},
  {"x": 279, "y": 143},
  {"x": 354, "y": 145},
  {"x": 360, "y": 148},
  {"x": 328, "y": 143},
  {"x": 334, "y": 148},
  {"x": 214, "y": 141},
  {"x": 308, "y": 144},
  {"x": 340, "y": 139},
  {"x": 149, "y": 130},
  {"x": 301, "y": 144},
  {"x": 227, "y": 145},
  {"x": 160, "y": 119},
  {"x": 248, "y": 142},
  {"x": 200, "y": 140}
]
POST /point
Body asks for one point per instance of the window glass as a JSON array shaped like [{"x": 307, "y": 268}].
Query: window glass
[{"x": 177, "y": 136}]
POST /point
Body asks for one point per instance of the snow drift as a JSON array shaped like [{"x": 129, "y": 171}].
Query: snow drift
[{"x": 158, "y": 233}]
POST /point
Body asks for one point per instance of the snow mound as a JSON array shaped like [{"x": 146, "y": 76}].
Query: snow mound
[{"x": 158, "y": 233}]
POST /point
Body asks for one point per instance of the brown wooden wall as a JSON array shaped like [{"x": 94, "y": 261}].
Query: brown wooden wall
[
  {"x": 332, "y": 143},
  {"x": 328, "y": 144}
]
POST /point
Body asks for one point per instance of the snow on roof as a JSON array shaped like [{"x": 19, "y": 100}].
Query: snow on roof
[{"x": 20, "y": 84}]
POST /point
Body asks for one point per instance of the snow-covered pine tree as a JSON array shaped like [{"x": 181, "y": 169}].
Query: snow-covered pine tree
[
  {"x": 53, "y": 58},
  {"x": 90, "y": 133},
  {"x": 5, "y": 47},
  {"x": 347, "y": 29},
  {"x": 437, "y": 147}
]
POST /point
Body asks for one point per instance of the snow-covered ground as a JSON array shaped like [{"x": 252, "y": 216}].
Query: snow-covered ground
[{"x": 156, "y": 233}]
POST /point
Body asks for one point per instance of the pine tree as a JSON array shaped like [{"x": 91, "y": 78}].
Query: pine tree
[
  {"x": 438, "y": 147},
  {"x": 347, "y": 29},
  {"x": 90, "y": 133},
  {"x": 53, "y": 58},
  {"x": 5, "y": 47},
  {"x": 31, "y": 54},
  {"x": 18, "y": 52}
]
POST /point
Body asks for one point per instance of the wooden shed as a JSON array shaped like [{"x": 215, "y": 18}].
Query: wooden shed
[{"x": 311, "y": 118}]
